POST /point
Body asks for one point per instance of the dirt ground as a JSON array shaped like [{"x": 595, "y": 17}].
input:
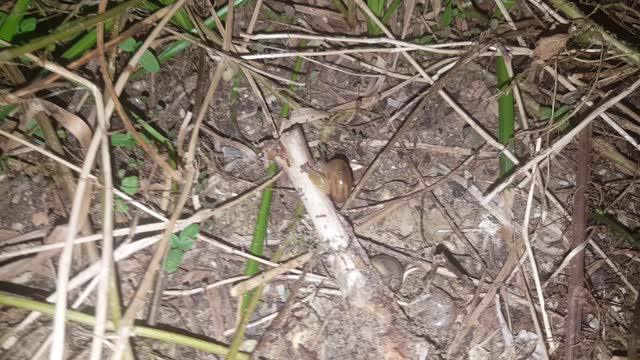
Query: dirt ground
[{"x": 444, "y": 307}]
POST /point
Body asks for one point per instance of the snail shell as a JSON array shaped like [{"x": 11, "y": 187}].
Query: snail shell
[
  {"x": 390, "y": 269},
  {"x": 335, "y": 179}
]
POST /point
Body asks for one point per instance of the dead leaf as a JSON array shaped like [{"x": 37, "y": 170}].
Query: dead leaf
[
  {"x": 36, "y": 263},
  {"x": 71, "y": 122},
  {"x": 40, "y": 218},
  {"x": 550, "y": 46},
  {"x": 303, "y": 116},
  {"x": 436, "y": 5}
]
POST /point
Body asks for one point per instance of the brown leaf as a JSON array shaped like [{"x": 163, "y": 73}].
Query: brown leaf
[
  {"x": 550, "y": 46},
  {"x": 71, "y": 122},
  {"x": 35, "y": 263},
  {"x": 40, "y": 218},
  {"x": 303, "y": 116}
]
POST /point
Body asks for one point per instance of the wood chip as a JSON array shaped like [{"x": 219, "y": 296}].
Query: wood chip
[{"x": 550, "y": 46}]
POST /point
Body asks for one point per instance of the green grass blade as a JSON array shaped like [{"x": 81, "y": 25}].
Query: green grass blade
[
  {"x": 297, "y": 69},
  {"x": 506, "y": 114},
  {"x": 395, "y": 5},
  {"x": 250, "y": 299},
  {"x": 180, "y": 18},
  {"x": 615, "y": 227},
  {"x": 11, "y": 24},
  {"x": 89, "y": 39},
  {"x": 260, "y": 233},
  {"x": 85, "y": 43},
  {"x": 5, "y": 110},
  {"x": 67, "y": 32},
  {"x": 8, "y": 299},
  {"x": 377, "y": 7}
]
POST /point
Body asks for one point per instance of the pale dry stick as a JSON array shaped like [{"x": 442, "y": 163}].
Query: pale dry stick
[
  {"x": 106, "y": 262},
  {"x": 36, "y": 234},
  {"x": 323, "y": 53},
  {"x": 440, "y": 149},
  {"x": 135, "y": 58},
  {"x": 340, "y": 69},
  {"x": 614, "y": 267},
  {"x": 360, "y": 51},
  {"x": 437, "y": 48},
  {"x": 562, "y": 142},
  {"x": 542, "y": 6},
  {"x": 216, "y": 19},
  {"x": 124, "y": 331},
  {"x": 266, "y": 276},
  {"x": 188, "y": 292},
  {"x": 510, "y": 22},
  {"x": 532, "y": 311},
  {"x": 344, "y": 256},
  {"x": 358, "y": 61},
  {"x": 77, "y": 169},
  {"x": 254, "y": 17},
  {"x": 217, "y": 56},
  {"x": 126, "y": 250},
  {"x": 182, "y": 133},
  {"x": 140, "y": 229},
  {"x": 370, "y": 100},
  {"x": 254, "y": 323},
  {"x": 76, "y": 304},
  {"x": 398, "y": 75},
  {"x": 507, "y": 336},
  {"x": 228, "y": 30},
  {"x": 567, "y": 260},
  {"x": 264, "y": 108},
  {"x": 64, "y": 266},
  {"x": 234, "y": 251},
  {"x": 532, "y": 260},
  {"x": 398, "y": 134},
  {"x": 390, "y": 205},
  {"x": 195, "y": 218},
  {"x": 445, "y": 96},
  {"x": 567, "y": 84}
]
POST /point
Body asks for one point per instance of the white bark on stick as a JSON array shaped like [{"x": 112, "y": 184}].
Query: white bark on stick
[{"x": 346, "y": 259}]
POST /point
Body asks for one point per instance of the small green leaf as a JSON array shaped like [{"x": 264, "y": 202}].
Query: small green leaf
[
  {"x": 424, "y": 40},
  {"x": 508, "y": 4},
  {"x": 447, "y": 16},
  {"x": 545, "y": 112},
  {"x": 173, "y": 261},
  {"x": 184, "y": 244},
  {"x": 313, "y": 75},
  {"x": 149, "y": 62},
  {"x": 34, "y": 130},
  {"x": 6, "y": 110},
  {"x": 131, "y": 162},
  {"x": 150, "y": 130},
  {"x": 130, "y": 185},
  {"x": 190, "y": 232},
  {"x": 129, "y": 45},
  {"x": 174, "y": 240},
  {"x": 27, "y": 25},
  {"x": 121, "y": 173},
  {"x": 121, "y": 205},
  {"x": 125, "y": 140}
]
